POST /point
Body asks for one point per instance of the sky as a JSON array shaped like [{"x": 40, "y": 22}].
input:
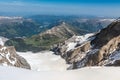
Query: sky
[{"x": 61, "y": 7}]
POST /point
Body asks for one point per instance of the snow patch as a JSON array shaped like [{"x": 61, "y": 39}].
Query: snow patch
[
  {"x": 5, "y": 64},
  {"x": 71, "y": 46},
  {"x": 2, "y": 40},
  {"x": 11, "y": 61},
  {"x": 83, "y": 38},
  {"x": 72, "y": 42},
  {"x": 6, "y": 17},
  {"x": 3, "y": 48},
  {"x": 111, "y": 20}
]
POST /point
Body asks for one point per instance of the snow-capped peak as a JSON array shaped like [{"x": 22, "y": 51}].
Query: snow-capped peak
[
  {"x": 3, "y": 40},
  {"x": 6, "y": 17},
  {"x": 72, "y": 42},
  {"x": 8, "y": 57}
]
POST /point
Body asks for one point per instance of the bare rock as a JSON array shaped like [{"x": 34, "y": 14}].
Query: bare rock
[
  {"x": 106, "y": 46},
  {"x": 9, "y": 57}
]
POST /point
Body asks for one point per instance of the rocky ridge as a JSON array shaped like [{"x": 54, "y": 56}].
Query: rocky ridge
[
  {"x": 105, "y": 49},
  {"x": 9, "y": 57},
  {"x": 75, "y": 48},
  {"x": 101, "y": 50},
  {"x": 44, "y": 40}
]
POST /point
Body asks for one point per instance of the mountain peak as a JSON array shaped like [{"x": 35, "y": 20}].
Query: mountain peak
[
  {"x": 9, "y": 57},
  {"x": 106, "y": 34},
  {"x": 60, "y": 30},
  {"x": 103, "y": 49}
]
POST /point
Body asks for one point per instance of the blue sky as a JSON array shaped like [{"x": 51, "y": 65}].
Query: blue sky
[{"x": 71, "y": 7}]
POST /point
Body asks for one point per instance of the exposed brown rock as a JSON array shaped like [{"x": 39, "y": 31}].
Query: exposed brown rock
[
  {"x": 106, "y": 34},
  {"x": 86, "y": 46},
  {"x": 105, "y": 43},
  {"x": 9, "y": 57},
  {"x": 61, "y": 31},
  {"x": 78, "y": 53}
]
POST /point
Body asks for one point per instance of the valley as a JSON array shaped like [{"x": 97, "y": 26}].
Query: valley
[
  {"x": 59, "y": 39},
  {"x": 61, "y": 49}
]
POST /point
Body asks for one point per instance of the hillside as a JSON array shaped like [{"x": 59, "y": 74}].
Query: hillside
[
  {"x": 11, "y": 27},
  {"x": 45, "y": 40},
  {"x": 9, "y": 57},
  {"x": 102, "y": 49},
  {"x": 40, "y": 34}
]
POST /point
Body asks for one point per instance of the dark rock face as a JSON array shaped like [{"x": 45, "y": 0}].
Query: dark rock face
[
  {"x": 74, "y": 49},
  {"x": 105, "y": 48},
  {"x": 8, "y": 57},
  {"x": 78, "y": 53},
  {"x": 106, "y": 34}
]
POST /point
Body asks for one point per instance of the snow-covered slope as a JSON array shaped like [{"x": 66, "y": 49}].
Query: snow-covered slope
[
  {"x": 6, "y": 17},
  {"x": 75, "y": 48},
  {"x": 103, "y": 50},
  {"x": 2, "y": 40},
  {"x": 44, "y": 61},
  {"x": 110, "y": 20},
  {"x": 72, "y": 42},
  {"x": 8, "y": 57},
  {"x": 95, "y": 73},
  {"x": 47, "y": 61}
]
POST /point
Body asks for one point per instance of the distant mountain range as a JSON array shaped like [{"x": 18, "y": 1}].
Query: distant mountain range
[
  {"x": 11, "y": 27},
  {"x": 100, "y": 48},
  {"x": 17, "y": 27},
  {"x": 88, "y": 23},
  {"x": 95, "y": 49},
  {"x": 44, "y": 40},
  {"x": 63, "y": 28},
  {"x": 41, "y": 32}
]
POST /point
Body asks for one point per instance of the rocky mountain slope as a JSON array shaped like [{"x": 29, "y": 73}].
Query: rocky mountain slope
[
  {"x": 101, "y": 49},
  {"x": 9, "y": 57},
  {"x": 45, "y": 40},
  {"x": 105, "y": 49},
  {"x": 58, "y": 33},
  {"x": 75, "y": 48}
]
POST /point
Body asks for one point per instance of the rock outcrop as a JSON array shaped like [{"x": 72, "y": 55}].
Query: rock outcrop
[
  {"x": 62, "y": 31},
  {"x": 78, "y": 53},
  {"x": 74, "y": 49},
  {"x": 102, "y": 50},
  {"x": 9, "y": 57},
  {"x": 105, "y": 48}
]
